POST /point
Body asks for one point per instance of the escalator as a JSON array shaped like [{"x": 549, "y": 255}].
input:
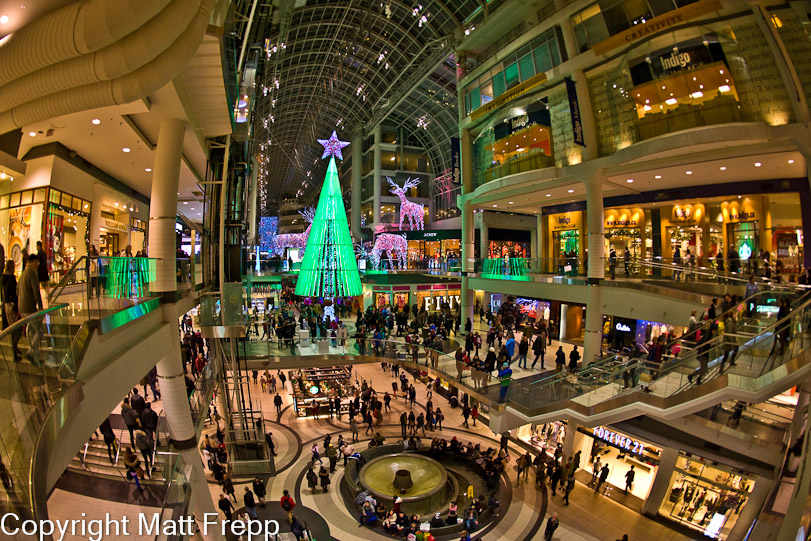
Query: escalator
[{"x": 763, "y": 357}]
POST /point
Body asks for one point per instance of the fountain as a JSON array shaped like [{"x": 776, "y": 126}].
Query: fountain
[{"x": 421, "y": 482}]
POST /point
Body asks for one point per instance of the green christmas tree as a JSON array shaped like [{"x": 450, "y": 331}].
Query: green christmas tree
[{"x": 329, "y": 268}]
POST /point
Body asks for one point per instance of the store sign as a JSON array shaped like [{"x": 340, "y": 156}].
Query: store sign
[
  {"x": 621, "y": 441},
  {"x": 115, "y": 226},
  {"x": 510, "y": 95},
  {"x": 456, "y": 160},
  {"x": 624, "y": 217},
  {"x": 442, "y": 234},
  {"x": 519, "y": 122},
  {"x": 574, "y": 110},
  {"x": 622, "y": 327},
  {"x": 435, "y": 303},
  {"x": 657, "y": 24},
  {"x": 564, "y": 222},
  {"x": 687, "y": 214}
]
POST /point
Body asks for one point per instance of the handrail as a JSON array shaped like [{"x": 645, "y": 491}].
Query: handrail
[{"x": 63, "y": 282}]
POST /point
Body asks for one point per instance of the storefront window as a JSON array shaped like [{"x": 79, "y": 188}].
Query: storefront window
[
  {"x": 21, "y": 223},
  {"x": 620, "y": 452},
  {"x": 67, "y": 234},
  {"x": 706, "y": 496},
  {"x": 508, "y": 248}
]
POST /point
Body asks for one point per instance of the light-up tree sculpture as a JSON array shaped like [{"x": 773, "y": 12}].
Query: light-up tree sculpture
[{"x": 329, "y": 268}]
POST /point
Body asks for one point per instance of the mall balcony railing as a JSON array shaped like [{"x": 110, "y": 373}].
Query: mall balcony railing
[
  {"x": 574, "y": 270},
  {"x": 754, "y": 361},
  {"x": 177, "y": 500},
  {"x": 271, "y": 266},
  {"x": 39, "y": 386},
  {"x": 522, "y": 164}
]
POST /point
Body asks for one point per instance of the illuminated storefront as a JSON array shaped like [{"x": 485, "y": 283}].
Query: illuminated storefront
[
  {"x": 566, "y": 236},
  {"x": 706, "y": 496},
  {"x": 423, "y": 246},
  {"x": 624, "y": 228}
]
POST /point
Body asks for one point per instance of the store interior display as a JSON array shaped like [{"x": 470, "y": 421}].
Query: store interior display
[{"x": 706, "y": 497}]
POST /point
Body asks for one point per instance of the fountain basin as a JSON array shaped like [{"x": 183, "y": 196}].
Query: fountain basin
[{"x": 429, "y": 481}]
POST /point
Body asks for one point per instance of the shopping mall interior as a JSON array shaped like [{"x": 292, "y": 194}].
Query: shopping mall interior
[{"x": 426, "y": 270}]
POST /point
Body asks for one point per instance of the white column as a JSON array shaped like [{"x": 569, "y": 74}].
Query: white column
[
  {"x": 484, "y": 241},
  {"x": 562, "y": 324},
  {"x": 661, "y": 483},
  {"x": 357, "y": 168},
  {"x": 95, "y": 216},
  {"x": 538, "y": 246},
  {"x": 596, "y": 269},
  {"x": 377, "y": 175},
  {"x": 533, "y": 240},
  {"x": 569, "y": 39},
  {"x": 569, "y": 440},
  {"x": 163, "y": 202}
]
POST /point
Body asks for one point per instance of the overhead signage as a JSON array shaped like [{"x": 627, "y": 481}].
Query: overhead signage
[
  {"x": 435, "y": 303},
  {"x": 456, "y": 161},
  {"x": 678, "y": 57},
  {"x": 622, "y": 327},
  {"x": 114, "y": 225},
  {"x": 508, "y": 96},
  {"x": 574, "y": 110},
  {"x": 624, "y": 217},
  {"x": 439, "y": 234},
  {"x": 619, "y": 440},
  {"x": 657, "y": 24},
  {"x": 565, "y": 221},
  {"x": 687, "y": 214}
]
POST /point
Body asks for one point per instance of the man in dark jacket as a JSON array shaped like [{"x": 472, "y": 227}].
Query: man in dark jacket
[
  {"x": 149, "y": 421},
  {"x": 137, "y": 402},
  {"x": 42, "y": 270},
  {"x": 130, "y": 417},
  {"x": 250, "y": 503},
  {"x": 150, "y": 380}
]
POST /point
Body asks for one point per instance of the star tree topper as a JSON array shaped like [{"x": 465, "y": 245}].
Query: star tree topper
[{"x": 332, "y": 146}]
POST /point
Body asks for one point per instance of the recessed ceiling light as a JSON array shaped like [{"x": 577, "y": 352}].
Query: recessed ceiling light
[
  {"x": 723, "y": 168},
  {"x": 657, "y": 177},
  {"x": 95, "y": 121},
  {"x": 790, "y": 162},
  {"x": 571, "y": 191},
  {"x": 511, "y": 202},
  {"x": 630, "y": 180},
  {"x": 495, "y": 205},
  {"x": 192, "y": 208},
  {"x": 32, "y": 133},
  {"x": 86, "y": 205},
  {"x": 688, "y": 172},
  {"x": 116, "y": 203},
  {"x": 185, "y": 202},
  {"x": 148, "y": 169},
  {"x": 3, "y": 19},
  {"x": 126, "y": 149},
  {"x": 549, "y": 195},
  {"x": 758, "y": 164}
]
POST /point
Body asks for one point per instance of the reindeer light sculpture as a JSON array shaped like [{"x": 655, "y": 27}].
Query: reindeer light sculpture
[
  {"x": 294, "y": 240},
  {"x": 395, "y": 246},
  {"x": 413, "y": 211}
]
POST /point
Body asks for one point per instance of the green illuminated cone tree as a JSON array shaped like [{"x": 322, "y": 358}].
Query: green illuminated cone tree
[{"x": 329, "y": 268}]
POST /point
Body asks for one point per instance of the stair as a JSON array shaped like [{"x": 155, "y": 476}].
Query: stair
[{"x": 94, "y": 461}]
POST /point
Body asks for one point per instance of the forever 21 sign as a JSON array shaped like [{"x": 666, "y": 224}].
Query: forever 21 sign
[{"x": 623, "y": 442}]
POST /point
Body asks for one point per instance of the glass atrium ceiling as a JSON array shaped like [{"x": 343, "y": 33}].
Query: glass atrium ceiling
[{"x": 336, "y": 65}]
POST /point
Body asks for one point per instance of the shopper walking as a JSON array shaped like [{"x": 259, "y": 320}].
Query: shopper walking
[
  {"x": 504, "y": 376},
  {"x": 539, "y": 349},
  {"x": 109, "y": 439},
  {"x": 226, "y": 507},
  {"x": 574, "y": 358},
  {"x": 323, "y": 476},
  {"x": 629, "y": 479},
  {"x": 288, "y": 504},
  {"x": 312, "y": 479},
  {"x": 569, "y": 488},
  {"x": 602, "y": 479},
  {"x": 523, "y": 349},
  {"x": 11, "y": 308},
  {"x": 228, "y": 487},
  {"x": 260, "y": 490},
  {"x": 250, "y": 503},
  {"x": 552, "y": 524},
  {"x": 30, "y": 302},
  {"x": 277, "y": 401},
  {"x": 133, "y": 465},
  {"x": 560, "y": 359}
]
